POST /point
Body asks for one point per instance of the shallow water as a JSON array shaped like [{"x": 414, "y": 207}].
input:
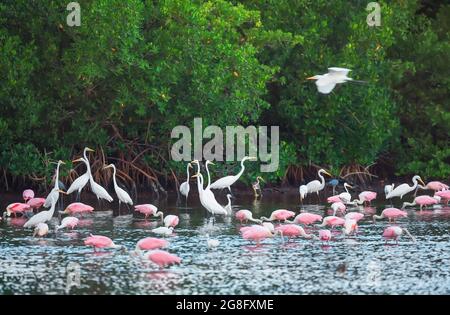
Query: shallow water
[{"x": 353, "y": 265}]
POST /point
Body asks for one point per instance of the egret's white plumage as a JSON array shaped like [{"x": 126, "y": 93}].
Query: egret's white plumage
[
  {"x": 326, "y": 82},
  {"x": 303, "y": 189},
  {"x": 227, "y": 181},
  {"x": 98, "y": 190},
  {"x": 79, "y": 183},
  {"x": 122, "y": 195},
  {"x": 184, "y": 187},
  {"x": 403, "y": 189},
  {"x": 315, "y": 186},
  {"x": 163, "y": 231},
  {"x": 54, "y": 193},
  {"x": 42, "y": 216}
]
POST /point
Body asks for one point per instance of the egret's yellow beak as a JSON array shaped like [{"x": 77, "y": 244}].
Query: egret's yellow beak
[
  {"x": 89, "y": 149},
  {"x": 310, "y": 78},
  {"x": 190, "y": 165},
  {"x": 62, "y": 192},
  {"x": 262, "y": 179},
  {"x": 420, "y": 180},
  {"x": 327, "y": 173},
  {"x": 77, "y": 160},
  {"x": 211, "y": 163},
  {"x": 107, "y": 166},
  {"x": 196, "y": 175},
  {"x": 61, "y": 162},
  {"x": 252, "y": 158}
]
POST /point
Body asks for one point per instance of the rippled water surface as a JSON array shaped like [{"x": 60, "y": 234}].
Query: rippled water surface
[{"x": 353, "y": 265}]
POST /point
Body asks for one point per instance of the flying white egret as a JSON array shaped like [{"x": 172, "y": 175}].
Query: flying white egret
[
  {"x": 79, "y": 183},
  {"x": 98, "y": 190},
  {"x": 42, "y": 216},
  {"x": 326, "y": 82},
  {"x": 122, "y": 195},
  {"x": 227, "y": 181},
  {"x": 403, "y": 189},
  {"x": 54, "y": 193},
  {"x": 316, "y": 186}
]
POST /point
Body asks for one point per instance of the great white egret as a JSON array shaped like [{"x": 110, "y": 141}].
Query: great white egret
[
  {"x": 98, "y": 190},
  {"x": 228, "y": 207},
  {"x": 54, "y": 193},
  {"x": 346, "y": 197},
  {"x": 227, "y": 181},
  {"x": 257, "y": 187},
  {"x": 403, "y": 189},
  {"x": 184, "y": 187},
  {"x": 79, "y": 183},
  {"x": 326, "y": 82},
  {"x": 122, "y": 195},
  {"x": 388, "y": 189},
  {"x": 316, "y": 186},
  {"x": 42, "y": 216},
  {"x": 303, "y": 190}
]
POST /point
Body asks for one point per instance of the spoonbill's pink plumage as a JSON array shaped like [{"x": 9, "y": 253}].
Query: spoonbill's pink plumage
[
  {"x": 425, "y": 201},
  {"x": 27, "y": 194},
  {"x": 245, "y": 216},
  {"x": 292, "y": 230},
  {"x": 391, "y": 214},
  {"x": 162, "y": 258},
  {"x": 367, "y": 196},
  {"x": 279, "y": 215},
  {"x": 147, "y": 209},
  {"x": 325, "y": 235},
  {"x": 332, "y": 221},
  {"x": 17, "y": 207},
  {"x": 99, "y": 241},
  {"x": 338, "y": 206},
  {"x": 36, "y": 203},
  {"x": 171, "y": 220},
  {"x": 307, "y": 218},
  {"x": 334, "y": 198},
  {"x": 354, "y": 216},
  {"x": 444, "y": 194},
  {"x": 255, "y": 233},
  {"x": 436, "y": 186},
  {"x": 150, "y": 243},
  {"x": 78, "y": 207},
  {"x": 394, "y": 233},
  {"x": 69, "y": 222}
]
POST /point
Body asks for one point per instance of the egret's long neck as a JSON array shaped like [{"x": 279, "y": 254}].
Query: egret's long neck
[
  {"x": 200, "y": 184},
  {"x": 187, "y": 173},
  {"x": 415, "y": 183},
  {"x": 322, "y": 180},
  {"x": 242, "y": 169},
  {"x": 57, "y": 176},
  {"x": 114, "y": 177},
  {"x": 229, "y": 201},
  {"x": 346, "y": 189},
  {"x": 52, "y": 209},
  {"x": 209, "y": 177}
]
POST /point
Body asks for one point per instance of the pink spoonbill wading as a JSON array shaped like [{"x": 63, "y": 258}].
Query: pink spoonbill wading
[
  {"x": 332, "y": 221},
  {"x": 78, "y": 208},
  {"x": 100, "y": 241},
  {"x": 245, "y": 216},
  {"x": 392, "y": 214},
  {"x": 279, "y": 215},
  {"x": 150, "y": 243},
  {"x": 171, "y": 220},
  {"x": 148, "y": 209},
  {"x": 27, "y": 194},
  {"x": 306, "y": 218},
  {"x": 162, "y": 258},
  {"x": 15, "y": 208},
  {"x": 68, "y": 222},
  {"x": 394, "y": 233},
  {"x": 292, "y": 230},
  {"x": 325, "y": 235},
  {"x": 422, "y": 201}
]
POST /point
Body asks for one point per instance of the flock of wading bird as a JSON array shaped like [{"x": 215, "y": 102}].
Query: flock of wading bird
[{"x": 289, "y": 226}]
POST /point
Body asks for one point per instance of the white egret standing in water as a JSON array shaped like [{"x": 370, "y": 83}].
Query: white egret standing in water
[
  {"x": 79, "y": 183},
  {"x": 316, "y": 186},
  {"x": 54, "y": 193},
  {"x": 403, "y": 189},
  {"x": 227, "y": 181},
  {"x": 122, "y": 195}
]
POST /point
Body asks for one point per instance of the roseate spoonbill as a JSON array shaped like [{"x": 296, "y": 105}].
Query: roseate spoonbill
[
  {"x": 326, "y": 82},
  {"x": 163, "y": 231},
  {"x": 122, "y": 195},
  {"x": 27, "y": 194},
  {"x": 292, "y": 230},
  {"x": 40, "y": 230},
  {"x": 435, "y": 186},
  {"x": 36, "y": 203},
  {"x": 444, "y": 194},
  {"x": 228, "y": 206},
  {"x": 78, "y": 207},
  {"x": 42, "y": 216},
  {"x": 257, "y": 233},
  {"x": 211, "y": 242},
  {"x": 306, "y": 218},
  {"x": 303, "y": 190},
  {"x": 279, "y": 215},
  {"x": 227, "y": 181},
  {"x": 171, "y": 220},
  {"x": 391, "y": 214},
  {"x": 388, "y": 189},
  {"x": 257, "y": 187},
  {"x": 246, "y": 215},
  {"x": 68, "y": 222},
  {"x": 334, "y": 198},
  {"x": 149, "y": 209},
  {"x": 350, "y": 226},
  {"x": 394, "y": 233},
  {"x": 354, "y": 216},
  {"x": 332, "y": 221},
  {"x": 16, "y": 207},
  {"x": 316, "y": 186},
  {"x": 54, "y": 193},
  {"x": 100, "y": 241},
  {"x": 98, "y": 190},
  {"x": 338, "y": 206},
  {"x": 79, "y": 183},
  {"x": 422, "y": 201},
  {"x": 365, "y": 196},
  {"x": 325, "y": 235},
  {"x": 150, "y": 243},
  {"x": 184, "y": 187},
  {"x": 162, "y": 258},
  {"x": 403, "y": 189}
]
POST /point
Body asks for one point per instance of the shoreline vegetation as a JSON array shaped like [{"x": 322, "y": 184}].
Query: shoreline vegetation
[{"x": 133, "y": 70}]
